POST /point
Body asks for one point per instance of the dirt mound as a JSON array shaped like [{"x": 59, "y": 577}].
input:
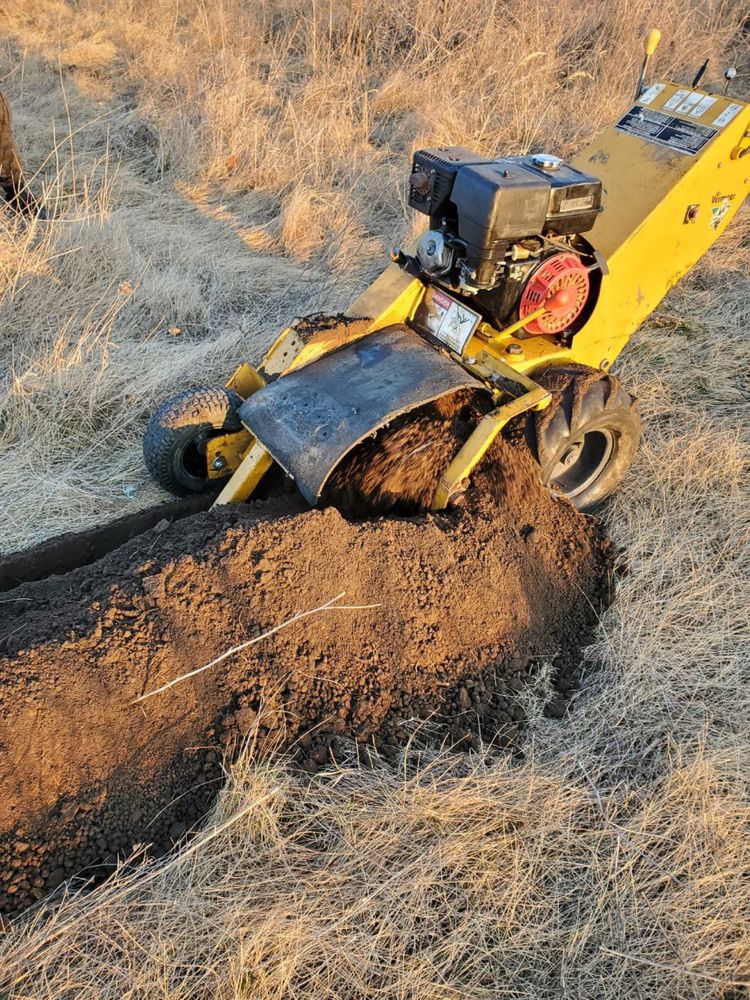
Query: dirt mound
[{"x": 469, "y": 604}]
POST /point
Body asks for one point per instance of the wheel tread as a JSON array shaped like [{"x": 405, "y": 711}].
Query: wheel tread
[
  {"x": 581, "y": 396},
  {"x": 175, "y": 422}
]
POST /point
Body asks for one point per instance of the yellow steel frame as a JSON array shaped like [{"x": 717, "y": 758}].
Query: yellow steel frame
[
  {"x": 663, "y": 210},
  {"x": 254, "y": 465},
  {"x": 659, "y": 219},
  {"x": 473, "y": 450},
  {"x": 224, "y": 453}
]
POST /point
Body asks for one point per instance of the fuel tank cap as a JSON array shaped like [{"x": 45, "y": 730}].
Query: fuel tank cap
[{"x": 546, "y": 161}]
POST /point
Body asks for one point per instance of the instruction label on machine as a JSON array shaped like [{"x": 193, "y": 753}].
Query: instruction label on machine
[
  {"x": 703, "y": 106},
  {"x": 451, "y": 322},
  {"x": 666, "y": 130},
  {"x": 729, "y": 112},
  {"x": 650, "y": 95}
]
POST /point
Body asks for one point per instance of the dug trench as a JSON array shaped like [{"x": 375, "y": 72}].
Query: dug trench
[{"x": 469, "y": 604}]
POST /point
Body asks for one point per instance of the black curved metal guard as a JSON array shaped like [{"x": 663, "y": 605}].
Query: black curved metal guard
[{"x": 310, "y": 419}]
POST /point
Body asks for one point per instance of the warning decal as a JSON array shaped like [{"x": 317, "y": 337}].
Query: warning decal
[
  {"x": 666, "y": 130},
  {"x": 450, "y": 321},
  {"x": 677, "y": 98},
  {"x": 690, "y": 101},
  {"x": 720, "y": 205},
  {"x": 702, "y": 106}
]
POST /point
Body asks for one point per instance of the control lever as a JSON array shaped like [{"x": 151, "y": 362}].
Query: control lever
[
  {"x": 699, "y": 75},
  {"x": 729, "y": 75},
  {"x": 652, "y": 41}
]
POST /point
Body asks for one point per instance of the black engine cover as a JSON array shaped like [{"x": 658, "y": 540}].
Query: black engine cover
[{"x": 489, "y": 204}]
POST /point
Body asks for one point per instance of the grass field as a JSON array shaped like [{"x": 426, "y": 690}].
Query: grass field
[{"x": 218, "y": 168}]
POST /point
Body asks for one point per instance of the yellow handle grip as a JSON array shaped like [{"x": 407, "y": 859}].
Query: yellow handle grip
[{"x": 652, "y": 41}]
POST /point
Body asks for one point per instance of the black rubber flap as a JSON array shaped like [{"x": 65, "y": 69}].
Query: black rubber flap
[{"x": 310, "y": 419}]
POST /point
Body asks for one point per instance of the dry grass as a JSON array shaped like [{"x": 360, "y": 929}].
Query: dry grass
[{"x": 217, "y": 168}]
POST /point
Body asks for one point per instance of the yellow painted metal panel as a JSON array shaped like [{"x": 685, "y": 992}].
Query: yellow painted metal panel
[
  {"x": 663, "y": 209},
  {"x": 391, "y": 298},
  {"x": 241, "y": 486},
  {"x": 480, "y": 440},
  {"x": 245, "y": 381},
  {"x": 225, "y": 452}
]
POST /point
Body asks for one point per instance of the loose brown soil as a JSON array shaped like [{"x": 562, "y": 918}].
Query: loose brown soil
[
  {"x": 470, "y": 603},
  {"x": 398, "y": 468}
]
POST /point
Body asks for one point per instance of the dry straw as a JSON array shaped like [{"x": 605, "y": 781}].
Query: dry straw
[{"x": 238, "y": 164}]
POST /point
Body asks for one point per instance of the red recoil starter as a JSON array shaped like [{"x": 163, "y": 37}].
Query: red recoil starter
[{"x": 563, "y": 279}]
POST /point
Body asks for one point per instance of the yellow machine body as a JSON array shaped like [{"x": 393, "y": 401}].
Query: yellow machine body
[{"x": 664, "y": 206}]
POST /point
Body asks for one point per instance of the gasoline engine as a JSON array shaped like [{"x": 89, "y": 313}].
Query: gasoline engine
[{"x": 504, "y": 233}]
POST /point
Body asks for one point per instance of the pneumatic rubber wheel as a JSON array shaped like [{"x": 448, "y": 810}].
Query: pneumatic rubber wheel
[
  {"x": 174, "y": 445},
  {"x": 587, "y": 438}
]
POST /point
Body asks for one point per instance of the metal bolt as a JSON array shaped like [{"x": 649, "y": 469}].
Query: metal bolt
[
  {"x": 219, "y": 462},
  {"x": 692, "y": 213},
  {"x": 514, "y": 349}
]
